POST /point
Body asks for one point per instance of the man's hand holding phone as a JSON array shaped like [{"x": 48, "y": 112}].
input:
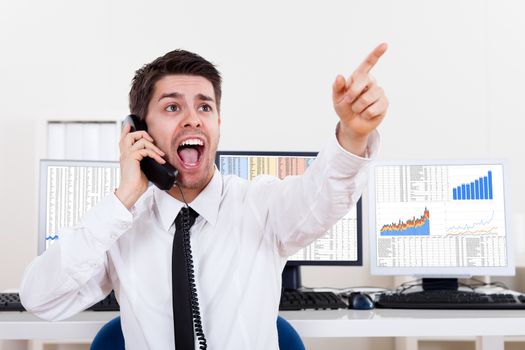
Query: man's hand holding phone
[{"x": 134, "y": 146}]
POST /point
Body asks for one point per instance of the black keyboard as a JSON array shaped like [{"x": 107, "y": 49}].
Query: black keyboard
[
  {"x": 11, "y": 302},
  {"x": 449, "y": 300},
  {"x": 290, "y": 300},
  {"x": 109, "y": 303},
  {"x": 296, "y": 300}
]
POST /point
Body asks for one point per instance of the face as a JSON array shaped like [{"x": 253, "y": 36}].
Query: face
[{"x": 184, "y": 122}]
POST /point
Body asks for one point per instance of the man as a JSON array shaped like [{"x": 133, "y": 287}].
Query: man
[{"x": 244, "y": 232}]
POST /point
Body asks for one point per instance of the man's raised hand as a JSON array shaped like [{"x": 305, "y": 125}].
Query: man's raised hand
[{"x": 360, "y": 104}]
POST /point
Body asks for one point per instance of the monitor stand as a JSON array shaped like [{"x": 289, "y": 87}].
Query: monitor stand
[
  {"x": 291, "y": 277},
  {"x": 440, "y": 283}
]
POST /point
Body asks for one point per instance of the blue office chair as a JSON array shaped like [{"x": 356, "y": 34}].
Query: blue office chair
[
  {"x": 289, "y": 339},
  {"x": 110, "y": 336}
]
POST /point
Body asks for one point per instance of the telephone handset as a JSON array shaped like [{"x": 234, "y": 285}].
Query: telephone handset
[{"x": 161, "y": 175}]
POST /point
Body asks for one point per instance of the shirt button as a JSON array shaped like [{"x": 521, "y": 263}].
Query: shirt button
[
  {"x": 124, "y": 225},
  {"x": 114, "y": 236}
]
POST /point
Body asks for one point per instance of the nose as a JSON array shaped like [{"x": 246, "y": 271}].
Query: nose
[{"x": 192, "y": 120}]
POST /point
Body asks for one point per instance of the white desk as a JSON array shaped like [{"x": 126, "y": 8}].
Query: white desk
[
  {"x": 488, "y": 327},
  {"x": 23, "y": 325}
]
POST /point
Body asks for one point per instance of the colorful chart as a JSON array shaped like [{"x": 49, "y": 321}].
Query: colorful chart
[{"x": 412, "y": 227}]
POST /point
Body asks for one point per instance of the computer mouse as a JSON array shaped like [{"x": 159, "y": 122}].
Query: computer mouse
[{"x": 360, "y": 301}]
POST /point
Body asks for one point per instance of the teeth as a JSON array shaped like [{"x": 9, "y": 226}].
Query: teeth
[{"x": 191, "y": 142}]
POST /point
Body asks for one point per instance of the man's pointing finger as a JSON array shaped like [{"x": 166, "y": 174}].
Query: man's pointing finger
[{"x": 371, "y": 60}]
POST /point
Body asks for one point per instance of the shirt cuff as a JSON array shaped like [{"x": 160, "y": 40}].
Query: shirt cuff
[
  {"x": 108, "y": 220},
  {"x": 372, "y": 148},
  {"x": 346, "y": 163}
]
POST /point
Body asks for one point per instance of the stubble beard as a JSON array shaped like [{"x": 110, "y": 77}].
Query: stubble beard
[{"x": 199, "y": 183}]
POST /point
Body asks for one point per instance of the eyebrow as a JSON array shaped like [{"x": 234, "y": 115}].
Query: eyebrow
[
  {"x": 205, "y": 97},
  {"x": 201, "y": 97}
]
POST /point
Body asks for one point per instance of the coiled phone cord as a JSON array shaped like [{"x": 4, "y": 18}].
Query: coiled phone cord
[{"x": 195, "y": 309}]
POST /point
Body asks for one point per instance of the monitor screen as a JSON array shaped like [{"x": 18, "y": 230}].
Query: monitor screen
[
  {"x": 442, "y": 219},
  {"x": 341, "y": 245},
  {"x": 67, "y": 190}
]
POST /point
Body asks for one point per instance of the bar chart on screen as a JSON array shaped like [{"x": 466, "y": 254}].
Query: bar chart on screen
[{"x": 479, "y": 189}]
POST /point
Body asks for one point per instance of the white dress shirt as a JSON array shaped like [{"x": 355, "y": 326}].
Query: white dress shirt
[{"x": 240, "y": 242}]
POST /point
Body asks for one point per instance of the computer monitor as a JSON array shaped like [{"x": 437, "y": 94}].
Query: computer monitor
[
  {"x": 67, "y": 190},
  {"x": 342, "y": 245},
  {"x": 445, "y": 219}
]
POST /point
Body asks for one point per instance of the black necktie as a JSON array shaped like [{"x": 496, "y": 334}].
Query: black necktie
[{"x": 182, "y": 313}]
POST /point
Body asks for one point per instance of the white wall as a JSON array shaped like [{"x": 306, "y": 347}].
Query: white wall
[{"x": 453, "y": 73}]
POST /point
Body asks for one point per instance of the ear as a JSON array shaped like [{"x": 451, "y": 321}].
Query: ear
[{"x": 219, "y": 120}]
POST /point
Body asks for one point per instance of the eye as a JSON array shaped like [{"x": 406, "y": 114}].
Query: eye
[
  {"x": 205, "y": 108},
  {"x": 172, "y": 108}
]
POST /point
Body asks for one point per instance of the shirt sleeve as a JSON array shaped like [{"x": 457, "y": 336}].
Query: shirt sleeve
[
  {"x": 72, "y": 274},
  {"x": 303, "y": 208}
]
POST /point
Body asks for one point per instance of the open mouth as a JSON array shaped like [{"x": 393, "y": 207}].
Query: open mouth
[{"x": 190, "y": 152}]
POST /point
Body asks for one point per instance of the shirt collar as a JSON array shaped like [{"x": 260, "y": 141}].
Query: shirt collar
[{"x": 206, "y": 203}]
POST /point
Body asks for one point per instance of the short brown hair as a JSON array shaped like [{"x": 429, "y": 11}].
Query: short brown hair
[{"x": 175, "y": 62}]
